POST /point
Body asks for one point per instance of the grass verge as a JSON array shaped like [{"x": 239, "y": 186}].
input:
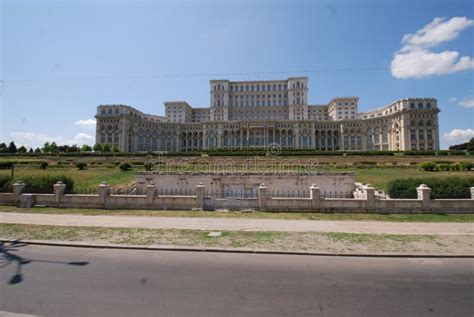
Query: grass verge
[
  {"x": 254, "y": 215},
  {"x": 275, "y": 241}
]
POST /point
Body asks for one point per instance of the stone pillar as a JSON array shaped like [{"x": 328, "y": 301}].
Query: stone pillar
[
  {"x": 370, "y": 197},
  {"x": 262, "y": 197},
  {"x": 315, "y": 195},
  {"x": 424, "y": 192},
  {"x": 59, "y": 189},
  {"x": 200, "y": 189},
  {"x": 104, "y": 192},
  {"x": 18, "y": 188},
  {"x": 150, "y": 193},
  {"x": 472, "y": 192}
]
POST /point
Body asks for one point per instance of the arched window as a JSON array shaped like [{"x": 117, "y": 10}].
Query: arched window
[
  {"x": 412, "y": 106},
  {"x": 420, "y": 105},
  {"x": 428, "y": 105}
]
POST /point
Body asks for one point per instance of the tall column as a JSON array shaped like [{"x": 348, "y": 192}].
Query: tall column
[
  {"x": 241, "y": 138},
  {"x": 204, "y": 137},
  {"x": 426, "y": 140},
  {"x": 219, "y": 136},
  {"x": 296, "y": 136}
]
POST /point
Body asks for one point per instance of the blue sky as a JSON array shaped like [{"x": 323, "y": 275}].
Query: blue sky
[{"x": 60, "y": 59}]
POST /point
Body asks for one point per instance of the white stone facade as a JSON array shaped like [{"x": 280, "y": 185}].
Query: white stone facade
[{"x": 256, "y": 114}]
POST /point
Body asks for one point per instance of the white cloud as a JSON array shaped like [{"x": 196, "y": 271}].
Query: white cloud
[
  {"x": 467, "y": 103},
  {"x": 88, "y": 124},
  {"x": 452, "y": 99},
  {"x": 438, "y": 31},
  {"x": 459, "y": 135},
  {"x": 415, "y": 60},
  {"x": 30, "y": 139}
]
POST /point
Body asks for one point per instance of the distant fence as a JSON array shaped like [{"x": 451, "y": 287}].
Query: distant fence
[{"x": 365, "y": 200}]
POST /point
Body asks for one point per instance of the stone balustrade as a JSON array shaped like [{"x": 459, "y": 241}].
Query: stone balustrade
[{"x": 365, "y": 201}]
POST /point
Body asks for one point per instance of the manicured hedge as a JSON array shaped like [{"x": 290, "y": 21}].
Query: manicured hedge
[
  {"x": 5, "y": 165},
  {"x": 436, "y": 166},
  {"x": 5, "y": 183},
  {"x": 44, "y": 184},
  {"x": 447, "y": 187}
]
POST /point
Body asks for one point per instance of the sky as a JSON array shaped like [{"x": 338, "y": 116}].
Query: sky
[{"x": 61, "y": 59}]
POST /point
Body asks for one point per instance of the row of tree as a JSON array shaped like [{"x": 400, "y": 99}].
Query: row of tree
[
  {"x": 469, "y": 146},
  {"x": 54, "y": 148}
]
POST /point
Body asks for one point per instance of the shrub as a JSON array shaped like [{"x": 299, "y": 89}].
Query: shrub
[
  {"x": 44, "y": 184},
  {"x": 447, "y": 187},
  {"x": 43, "y": 165},
  {"x": 125, "y": 166},
  {"x": 148, "y": 166},
  {"x": 428, "y": 166},
  {"x": 466, "y": 166},
  {"x": 444, "y": 166},
  {"x": 81, "y": 165},
  {"x": 5, "y": 183},
  {"x": 5, "y": 165}
]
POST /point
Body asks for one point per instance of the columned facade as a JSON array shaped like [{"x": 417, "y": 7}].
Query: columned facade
[{"x": 260, "y": 114}]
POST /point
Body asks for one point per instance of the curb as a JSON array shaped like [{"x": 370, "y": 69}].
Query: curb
[{"x": 223, "y": 250}]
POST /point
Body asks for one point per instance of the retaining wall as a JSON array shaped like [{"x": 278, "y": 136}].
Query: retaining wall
[{"x": 315, "y": 203}]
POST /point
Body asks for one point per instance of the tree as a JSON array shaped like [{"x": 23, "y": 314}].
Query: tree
[
  {"x": 3, "y": 148},
  {"x": 106, "y": 148},
  {"x": 115, "y": 148},
  {"x": 22, "y": 149},
  {"x": 86, "y": 148},
  {"x": 54, "y": 147},
  {"x": 470, "y": 146},
  {"x": 12, "y": 147},
  {"x": 464, "y": 146},
  {"x": 37, "y": 150},
  {"x": 30, "y": 150},
  {"x": 97, "y": 147},
  {"x": 46, "y": 148}
]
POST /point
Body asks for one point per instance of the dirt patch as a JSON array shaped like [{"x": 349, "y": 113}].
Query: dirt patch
[{"x": 276, "y": 241}]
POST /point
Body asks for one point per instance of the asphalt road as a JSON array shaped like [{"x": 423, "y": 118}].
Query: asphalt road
[{"x": 57, "y": 281}]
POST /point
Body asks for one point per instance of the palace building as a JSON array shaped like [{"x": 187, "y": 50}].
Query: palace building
[{"x": 262, "y": 113}]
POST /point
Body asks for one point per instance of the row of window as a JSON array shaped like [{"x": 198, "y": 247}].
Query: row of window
[{"x": 420, "y": 105}]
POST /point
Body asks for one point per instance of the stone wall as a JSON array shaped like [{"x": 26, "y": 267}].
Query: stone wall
[
  {"x": 367, "y": 202},
  {"x": 330, "y": 184}
]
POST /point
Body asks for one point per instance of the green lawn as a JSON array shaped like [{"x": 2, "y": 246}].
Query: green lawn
[
  {"x": 254, "y": 215},
  {"x": 378, "y": 176},
  {"x": 87, "y": 178}
]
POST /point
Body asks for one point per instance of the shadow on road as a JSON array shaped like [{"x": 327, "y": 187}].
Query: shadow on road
[{"x": 7, "y": 257}]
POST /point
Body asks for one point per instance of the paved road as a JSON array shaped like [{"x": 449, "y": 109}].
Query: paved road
[
  {"x": 235, "y": 224},
  {"x": 59, "y": 281}
]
